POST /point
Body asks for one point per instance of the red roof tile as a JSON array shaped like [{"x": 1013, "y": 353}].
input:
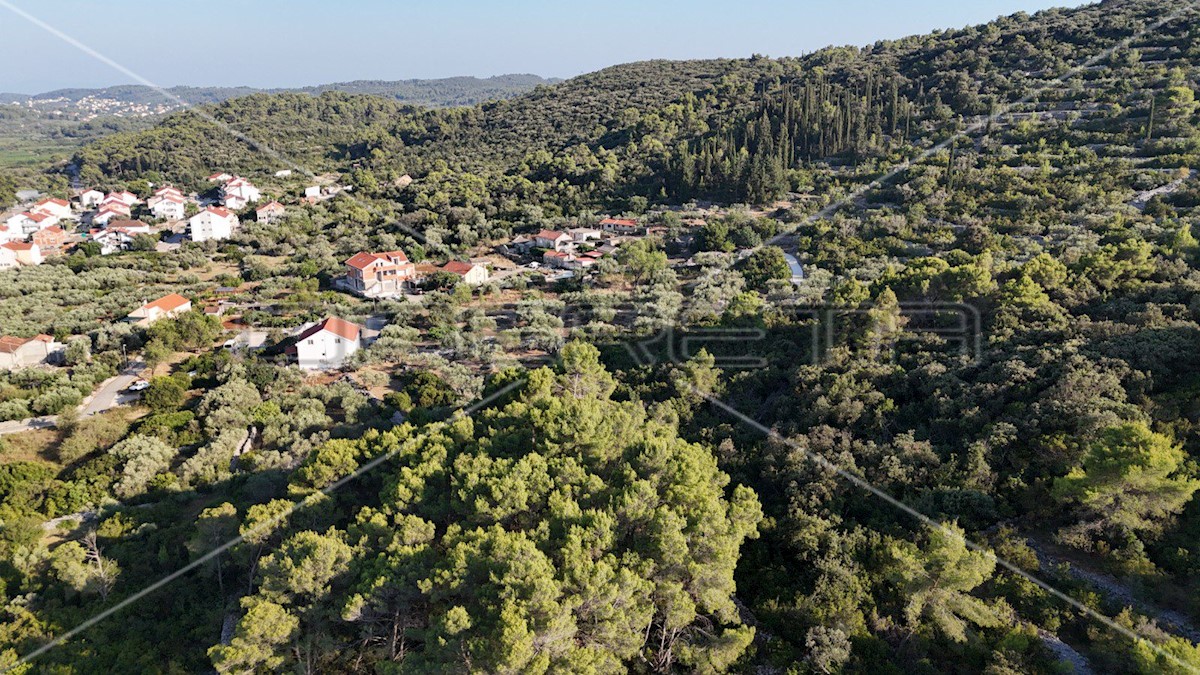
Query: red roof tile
[
  {"x": 361, "y": 261},
  {"x": 334, "y": 325},
  {"x": 125, "y": 224},
  {"x": 10, "y": 344},
  {"x": 458, "y": 267},
  {"x": 390, "y": 255},
  {"x": 168, "y": 303}
]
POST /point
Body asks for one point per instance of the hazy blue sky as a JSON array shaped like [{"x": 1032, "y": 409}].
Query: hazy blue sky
[{"x": 269, "y": 43}]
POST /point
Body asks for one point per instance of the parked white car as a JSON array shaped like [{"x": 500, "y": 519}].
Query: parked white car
[{"x": 138, "y": 385}]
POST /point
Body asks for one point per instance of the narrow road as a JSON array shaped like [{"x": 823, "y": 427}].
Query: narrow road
[
  {"x": 109, "y": 394},
  {"x": 17, "y": 426}
]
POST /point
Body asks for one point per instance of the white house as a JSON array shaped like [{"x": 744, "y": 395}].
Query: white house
[
  {"x": 25, "y": 253},
  {"x": 584, "y": 234},
  {"x": 213, "y": 222},
  {"x": 169, "y": 205},
  {"x": 312, "y": 192},
  {"x": 90, "y": 199},
  {"x": 327, "y": 344},
  {"x": 239, "y": 192},
  {"x": 113, "y": 240},
  {"x": 550, "y": 239},
  {"x": 17, "y": 224},
  {"x": 8, "y": 258},
  {"x": 472, "y": 274},
  {"x": 270, "y": 212},
  {"x": 162, "y": 308},
  {"x": 621, "y": 226},
  {"x": 59, "y": 208},
  {"x": 110, "y": 211},
  {"x": 18, "y": 352},
  {"x": 220, "y": 177},
  {"x": 28, "y": 222},
  {"x": 123, "y": 197}
]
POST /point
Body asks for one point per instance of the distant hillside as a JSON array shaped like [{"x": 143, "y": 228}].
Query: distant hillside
[
  {"x": 42, "y": 127},
  {"x": 735, "y": 130},
  {"x": 446, "y": 92},
  {"x": 437, "y": 93}
]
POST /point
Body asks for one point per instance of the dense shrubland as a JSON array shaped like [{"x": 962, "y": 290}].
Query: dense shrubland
[{"x": 603, "y": 517}]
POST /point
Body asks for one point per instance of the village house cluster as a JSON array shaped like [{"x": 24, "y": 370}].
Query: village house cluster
[
  {"x": 114, "y": 219},
  {"x": 26, "y": 236},
  {"x": 577, "y": 248},
  {"x": 320, "y": 346},
  {"x": 390, "y": 273}
]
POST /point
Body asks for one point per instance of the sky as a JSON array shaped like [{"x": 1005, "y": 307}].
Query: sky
[{"x": 288, "y": 43}]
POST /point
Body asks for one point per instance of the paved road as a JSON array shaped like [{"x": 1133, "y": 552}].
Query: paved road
[
  {"x": 17, "y": 426},
  {"x": 106, "y": 397},
  {"x": 109, "y": 394}
]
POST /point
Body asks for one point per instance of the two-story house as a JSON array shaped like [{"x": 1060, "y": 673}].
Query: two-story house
[
  {"x": 378, "y": 274},
  {"x": 214, "y": 222},
  {"x": 327, "y": 344}
]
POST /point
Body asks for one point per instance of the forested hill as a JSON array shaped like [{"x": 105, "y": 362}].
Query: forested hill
[
  {"x": 661, "y": 130},
  {"x": 599, "y": 515},
  {"x": 441, "y": 92}
]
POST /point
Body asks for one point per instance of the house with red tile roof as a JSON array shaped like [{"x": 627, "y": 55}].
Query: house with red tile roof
[
  {"x": 551, "y": 239},
  {"x": 621, "y": 226},
  {"x": 167, "y": 203},
  {"x": 472, "y": 274},
  {"x": 270, "y": 212},
  {"x": 24, "y": 252},
  {"x": 109, "y": 211},
  {"x": 130, "y": 226},
  {"x": 18, "y": 352},
  {"x": 49, "y": 238},
  {"x": 214, "y": 222},
  {"x": 28, "y": 222},
  {"x": 59, "y": 208},
  {"x": 8, "y": 258},
  {"x": 378, "y": 274},
  {"x": 238, "y": 192},
  {"x": 124, "y": 197},
  {"x": 326, "y": 344},
  {"x": 162, "y": 308}
]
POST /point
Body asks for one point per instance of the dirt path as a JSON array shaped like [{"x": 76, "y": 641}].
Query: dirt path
[
  {"x": 1114, "y": 590},
  {"x": 1139, "y": 202},
  {"x": 1066, "y": 653}
]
